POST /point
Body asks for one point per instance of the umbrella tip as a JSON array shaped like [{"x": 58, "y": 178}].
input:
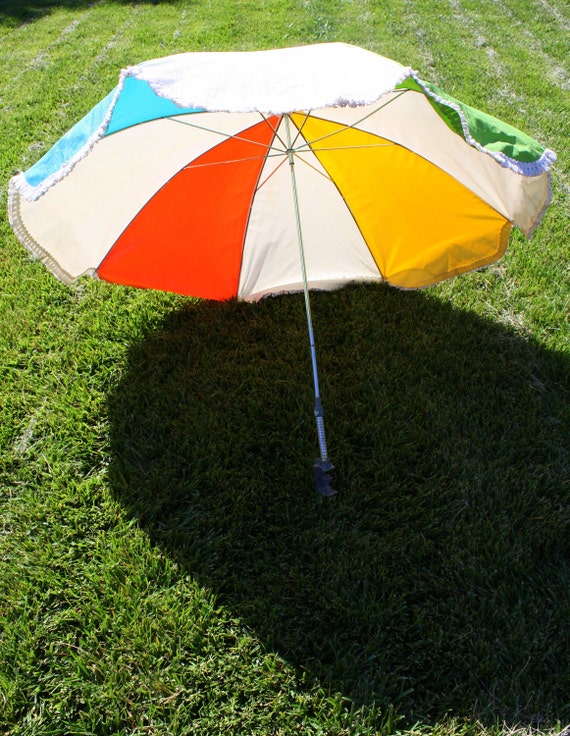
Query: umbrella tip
[{"x": 321, "y": 470}]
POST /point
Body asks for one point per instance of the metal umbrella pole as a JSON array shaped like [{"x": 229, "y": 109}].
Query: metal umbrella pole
[{"x": 321, "y": 466}]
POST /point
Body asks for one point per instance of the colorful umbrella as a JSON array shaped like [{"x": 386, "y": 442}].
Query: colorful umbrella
[{"x": 221, "y": 175}]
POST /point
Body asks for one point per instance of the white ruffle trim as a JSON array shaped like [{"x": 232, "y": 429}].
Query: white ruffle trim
[
  {"x": 275, "y": 81},
  {"x": 31, "y": 193},
  {"x": 272, "y": 82}
]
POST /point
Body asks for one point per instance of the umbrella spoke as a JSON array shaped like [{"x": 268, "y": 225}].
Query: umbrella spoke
[
  {"x": 275, "y": 130},
  {"x": 227, "y": 136},
  {"x": 354, "y": 125},
  {"x": 300, "y": 129},
  {"x": 275, "y": 170},
  {"x": 322, "y": 172},
  {"x": 236, "y": 160},
  {"x": 354, "y": 148}
]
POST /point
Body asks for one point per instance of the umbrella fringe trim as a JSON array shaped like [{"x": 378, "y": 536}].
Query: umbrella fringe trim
[
  {"x": 30, "y": 243},
  {"x": 538, "y": 219},
  {"x": 31, "y": 193},
  {"x": 184, "y": 102},
  {"x": 163, "y": 87},
  {"x": 528, "y": 168}
]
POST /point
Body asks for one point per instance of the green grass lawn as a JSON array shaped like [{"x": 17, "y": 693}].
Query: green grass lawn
[{"x": 166, "y": 566}]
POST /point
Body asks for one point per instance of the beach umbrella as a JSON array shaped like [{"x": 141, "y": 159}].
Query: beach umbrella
[{"x": 245, "y": 174}]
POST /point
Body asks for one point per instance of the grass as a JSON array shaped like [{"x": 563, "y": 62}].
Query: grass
[{"x": 166, "y": 566}]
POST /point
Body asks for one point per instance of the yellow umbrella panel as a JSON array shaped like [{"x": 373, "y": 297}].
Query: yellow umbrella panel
[{"x": 420, "y": 224}]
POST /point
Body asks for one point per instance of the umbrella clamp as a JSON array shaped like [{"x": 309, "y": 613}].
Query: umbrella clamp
[{"x": 321, "y": 470}]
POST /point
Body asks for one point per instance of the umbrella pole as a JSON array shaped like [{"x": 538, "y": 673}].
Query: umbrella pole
[{"x": 321, "y": 466}]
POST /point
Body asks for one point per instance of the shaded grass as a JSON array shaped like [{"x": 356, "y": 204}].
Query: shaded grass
[
  {"x": 199, "y": 585},
  {"x": 436, "y": 580},
  {"x": 166, "y": 566}
]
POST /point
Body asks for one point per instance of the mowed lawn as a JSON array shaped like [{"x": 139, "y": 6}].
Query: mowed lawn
[{"x": 166, "y": 566}]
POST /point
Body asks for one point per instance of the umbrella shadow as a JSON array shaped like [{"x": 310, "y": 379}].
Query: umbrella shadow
[{"x": 436, "y": 581}]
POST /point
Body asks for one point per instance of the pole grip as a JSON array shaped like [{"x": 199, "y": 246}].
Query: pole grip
[
  {"x": 320, "y": 417},
  {"x": 322, "y": 438}
]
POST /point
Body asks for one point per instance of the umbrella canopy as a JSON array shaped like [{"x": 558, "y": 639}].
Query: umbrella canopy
[{"x": 244, "y": 174}]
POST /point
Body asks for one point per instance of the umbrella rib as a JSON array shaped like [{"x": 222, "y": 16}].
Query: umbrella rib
[
  {"x": 351, "y": 148},
  {"x": 235, "y": 136},
  {"x": 235, "y": 160},
  {"x": 300, "y": 128},
  {"x": 309, "y": 144},
  {"x": 268, "y": 177},
  {"x": 324, "y": 173},
  {"x": 274, "y": 129}
]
